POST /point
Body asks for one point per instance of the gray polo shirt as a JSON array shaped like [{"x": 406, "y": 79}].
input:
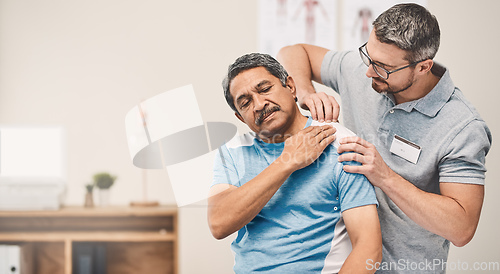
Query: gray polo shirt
[{"x": 437, "y": 138}]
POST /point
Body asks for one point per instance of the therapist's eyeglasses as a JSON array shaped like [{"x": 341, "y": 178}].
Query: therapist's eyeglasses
[{"x": 380, "y": 71}]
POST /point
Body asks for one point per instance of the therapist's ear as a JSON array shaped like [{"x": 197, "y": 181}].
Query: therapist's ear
[{"x": 425, "y": 66}]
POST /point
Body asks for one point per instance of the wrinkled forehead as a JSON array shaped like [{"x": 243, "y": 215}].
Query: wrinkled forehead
[{"x": 251, "y": 81}]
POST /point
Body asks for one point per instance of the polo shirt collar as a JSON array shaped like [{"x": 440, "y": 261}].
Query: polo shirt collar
[{"x": 434, "y": 101}]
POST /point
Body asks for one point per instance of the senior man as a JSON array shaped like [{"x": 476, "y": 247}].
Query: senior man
[{"x": 281, "y": 186}]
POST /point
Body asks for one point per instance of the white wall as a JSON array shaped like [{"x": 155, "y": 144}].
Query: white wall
[{"x": 84, "y": 64}]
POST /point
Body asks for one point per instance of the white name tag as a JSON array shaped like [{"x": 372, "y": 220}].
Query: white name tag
[{"x": 405, "y": 149}]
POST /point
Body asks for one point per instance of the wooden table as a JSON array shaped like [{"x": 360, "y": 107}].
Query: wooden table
[{"x": 136, "y": 239}]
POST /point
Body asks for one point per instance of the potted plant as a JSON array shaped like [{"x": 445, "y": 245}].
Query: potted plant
[
  {"x": 89, "y": 199},
  {"x": 104, "y": 181}
]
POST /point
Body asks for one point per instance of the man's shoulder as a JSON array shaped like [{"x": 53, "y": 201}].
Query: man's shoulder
[
  {"x": 461, "y": 105},
  {"x": 341, "y": 132},
  {"x": 458, "y": 115},
  {"x": 239, "y": 141},
  {"x": 451, "y": 101}
]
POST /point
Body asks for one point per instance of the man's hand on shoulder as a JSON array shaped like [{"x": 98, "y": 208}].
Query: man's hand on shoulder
[
  {"x": 306, "y": 146},
  {"x": 323, "y": 107}
]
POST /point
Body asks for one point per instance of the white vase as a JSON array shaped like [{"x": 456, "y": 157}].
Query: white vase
[{"x": 104, "y": 197}]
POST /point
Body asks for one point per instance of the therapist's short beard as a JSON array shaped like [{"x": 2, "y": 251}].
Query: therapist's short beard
[{"x": 389, "y": 89}]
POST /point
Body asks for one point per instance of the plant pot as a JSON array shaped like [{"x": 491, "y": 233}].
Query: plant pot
[
  {"x": 89, "y": 199},
  {"x": 103, "y": 197}
]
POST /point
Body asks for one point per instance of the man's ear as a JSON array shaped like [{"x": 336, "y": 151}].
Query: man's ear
[
  {"x": 239, "y": 117},
  {"x": 290, "y": 83},
  {"x": 425, "y": 66}
]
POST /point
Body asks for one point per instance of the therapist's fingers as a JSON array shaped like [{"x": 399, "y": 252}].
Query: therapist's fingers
[
  {"x": 331, "y": 108},
  {"x": 323, "y": 107},
  {"x": 335, "y": 109},
  {"x": 356, "y": 140},
  {"x": 319, "y": 108},
  {"x": 308, "y": 102}
]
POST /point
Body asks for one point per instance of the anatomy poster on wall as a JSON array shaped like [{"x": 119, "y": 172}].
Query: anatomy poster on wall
[
  {"x": 357, "y": 18},
  {"x": 286, "y": 22}
]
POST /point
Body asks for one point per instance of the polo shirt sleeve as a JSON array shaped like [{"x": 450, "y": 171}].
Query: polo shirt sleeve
[
  {"x": 354, "y": 190},
  {"x": 337, "y": 65},
  {"x": 225, "y": 171},
  {"x": 464, "y": 160}
]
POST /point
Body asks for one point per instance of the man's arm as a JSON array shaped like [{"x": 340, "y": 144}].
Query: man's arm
[
  {"x": 303, "y": 63},
  {"x": 454, "y": 214},
  {"x": 231, "y": 208},
  {"x": 363, "y": 227}
]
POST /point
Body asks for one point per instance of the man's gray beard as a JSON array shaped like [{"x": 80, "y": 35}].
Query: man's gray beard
[
  {"x": 263, "y": 114},
  {"x": 385, "y": 92}
]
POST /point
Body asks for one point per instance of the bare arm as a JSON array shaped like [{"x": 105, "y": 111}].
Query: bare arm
[
  {"x": 363, "y": 227},
  {"x": 303, "y": 63},
  {"x": 230, "y": 208},
  {"x": 453, "y": 214},
  {"x": 233, "y": 208}
]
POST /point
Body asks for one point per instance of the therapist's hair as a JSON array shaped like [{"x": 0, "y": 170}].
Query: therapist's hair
[
  {"x": 249, "y": 61},
  {"x": 410, "y": 27}
]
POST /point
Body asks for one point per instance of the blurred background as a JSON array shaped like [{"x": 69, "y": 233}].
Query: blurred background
[{"x": 82, "y": 65}]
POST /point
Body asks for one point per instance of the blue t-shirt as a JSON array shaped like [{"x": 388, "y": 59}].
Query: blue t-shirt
[{"x": 300, "y": 230}]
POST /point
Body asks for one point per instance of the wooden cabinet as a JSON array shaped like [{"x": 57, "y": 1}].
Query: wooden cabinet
[{"x": 136, "y": 240}]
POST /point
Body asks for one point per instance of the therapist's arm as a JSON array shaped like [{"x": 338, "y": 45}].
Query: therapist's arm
[
  {"x": 303, "y": 63},
  {"x": 363, "y": 227},
  {"x": 453, "y": 214}
]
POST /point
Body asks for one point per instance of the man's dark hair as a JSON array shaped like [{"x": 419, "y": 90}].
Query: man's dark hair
[
  {"x": 249, "y": 61},
  {"x": 410, "y": 27}
]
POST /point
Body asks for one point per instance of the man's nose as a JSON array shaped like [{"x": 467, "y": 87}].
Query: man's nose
[
  {"x": 259, "y": 102},
  {"x": 370, "y": 72}
]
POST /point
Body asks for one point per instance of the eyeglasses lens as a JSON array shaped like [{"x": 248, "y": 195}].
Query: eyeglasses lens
[{"x": 364, "y": 56}]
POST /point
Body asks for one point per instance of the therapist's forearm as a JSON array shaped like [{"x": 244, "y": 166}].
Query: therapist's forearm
[
  {"x": 296, "y": 61},
  {"x": 452, "y": 218}
]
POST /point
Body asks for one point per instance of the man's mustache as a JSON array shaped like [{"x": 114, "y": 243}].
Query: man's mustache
[{"x": 264, "y": 113}]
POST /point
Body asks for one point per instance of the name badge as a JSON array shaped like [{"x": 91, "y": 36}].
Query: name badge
[{"x": 405, "y": 149}]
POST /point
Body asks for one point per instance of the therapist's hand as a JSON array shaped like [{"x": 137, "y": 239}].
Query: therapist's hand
[
  {"x": 323, "y": 107},
  {"x": 372, "y": 165}
]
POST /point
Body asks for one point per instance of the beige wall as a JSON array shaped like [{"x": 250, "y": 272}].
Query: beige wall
[{"x": 84, "y": 64}]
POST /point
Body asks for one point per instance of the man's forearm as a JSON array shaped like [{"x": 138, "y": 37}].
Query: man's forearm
[
  {"x": 232, "y": 209},
  {"x": 296, "y": 61},
  {"x": 452, "y": 214},
  {"x": 303, "y": 63},
  {"x": 453, "y": 218}
]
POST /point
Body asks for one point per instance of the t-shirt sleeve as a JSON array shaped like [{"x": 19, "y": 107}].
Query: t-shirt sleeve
[
  {"x": 465, "y": 155},
  {"x": 225, "y": 171},
  {"x": 355, "y": 190}
]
